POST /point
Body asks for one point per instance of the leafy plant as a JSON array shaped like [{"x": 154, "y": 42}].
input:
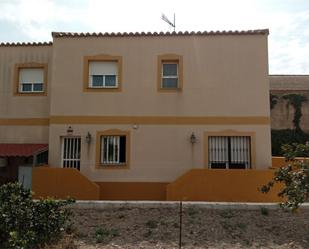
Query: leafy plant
[
  {"x": 227, "y": 214},
  {"x": 273, "y": 99},
  {"x": 192, "y": 211},
  {"x": 152, "y": 224},
  {"x": 114, "y": 232},
  {"x": 287, "y": 136},
  {"x": 148, "y": 233},
  {"x": 104, "y": 234},
  {"x": 296, "y": 101},
  {"x": 264, "y": 211},
  {"x": 242, "y": 226},
  {"x": 295, "y": 176},
  {"x": 25, "y": 223},
  {"x": 101, "y": 235}
]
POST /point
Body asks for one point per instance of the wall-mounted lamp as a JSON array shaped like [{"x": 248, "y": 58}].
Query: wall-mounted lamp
[
  {"x": 70, "y": 131},
  {"x": 135, "y": 126},
  {"x": 88, "y": 138},
  {"x": 193, "y": 138}
]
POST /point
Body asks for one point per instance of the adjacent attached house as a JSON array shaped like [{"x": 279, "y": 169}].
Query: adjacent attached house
[{"x": 138, "y": 110}]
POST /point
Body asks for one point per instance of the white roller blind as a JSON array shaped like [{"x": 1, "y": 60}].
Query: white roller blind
[
  {"x": 103, "y": 68},
  {"x": 31, "y": 75}
]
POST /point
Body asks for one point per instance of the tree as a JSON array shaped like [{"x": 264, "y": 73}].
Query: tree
[{"x": 294, "y": 176}]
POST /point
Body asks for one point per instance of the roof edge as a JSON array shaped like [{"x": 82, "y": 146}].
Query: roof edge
[
  {"x": 287, "y": 75},
  {"x": 24, "y": 44},
  {"x": 141, "y": 34}
]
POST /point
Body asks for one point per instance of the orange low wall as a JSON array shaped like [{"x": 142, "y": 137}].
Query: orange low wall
[
  {"x": 278, "y": 162},
  {"x": 133, "y": 190},
  {"x": 223, "y": 185},
  {"x": 61, "y": 183}
]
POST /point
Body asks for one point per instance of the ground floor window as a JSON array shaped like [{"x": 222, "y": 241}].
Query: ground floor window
[
  {"x": 112, "y": 148},
  {"x": 71, "y": 147},
  {"x": 229, "y": 152}
]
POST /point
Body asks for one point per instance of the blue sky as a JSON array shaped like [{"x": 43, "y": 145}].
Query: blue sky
[{"x": 288, "y": 21}]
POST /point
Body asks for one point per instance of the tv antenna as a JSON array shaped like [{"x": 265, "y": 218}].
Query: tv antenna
[{"x": 165, "y": 19}]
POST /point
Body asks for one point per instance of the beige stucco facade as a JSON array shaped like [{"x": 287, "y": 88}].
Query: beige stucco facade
[
  {"x": 159, "y": 153},
  {"x": 225, "y": 88},
  {"x": 217, "y": 71},
  {"x": 23, "y": 118}
]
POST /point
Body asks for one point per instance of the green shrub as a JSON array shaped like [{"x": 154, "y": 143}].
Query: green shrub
[
  {"x": 152, "y": 224},
  {"x": 294, "y": 176},
  {"x": 25, "y": 223},
  {"x": 264, "y": 211},
  {"x": 282, "y": 137},
  {"x": 192, "y": 211},
  {"x": 101, "y": 235}
]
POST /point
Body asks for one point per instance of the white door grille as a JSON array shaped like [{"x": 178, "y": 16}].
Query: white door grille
[{"x": 71, "y": 152}]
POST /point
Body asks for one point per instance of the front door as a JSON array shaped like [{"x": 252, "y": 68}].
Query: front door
[{"x": 71, "y": 152}]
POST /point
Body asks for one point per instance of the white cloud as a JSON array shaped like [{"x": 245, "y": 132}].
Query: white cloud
[{"x": 288, "y": 40}]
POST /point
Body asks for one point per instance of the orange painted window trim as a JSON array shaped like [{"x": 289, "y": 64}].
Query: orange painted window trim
[
  {"x": 107, "y": 58},
  {"x": 30, "y": 65},
  {"x": 112, "y": 132},
  {"x": 170, "y": 58}
]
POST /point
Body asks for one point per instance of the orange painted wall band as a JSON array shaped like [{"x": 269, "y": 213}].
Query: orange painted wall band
[
  {"x": 160, "y": 120},
  {"x": 24, "y": 121}
]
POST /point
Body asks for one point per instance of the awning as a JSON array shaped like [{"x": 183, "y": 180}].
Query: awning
[{"x": 25, "y": 150}]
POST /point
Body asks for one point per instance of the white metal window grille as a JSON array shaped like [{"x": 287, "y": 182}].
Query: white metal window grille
[
  {"x": 71, "y": 147},
  {"x": 103, "y": 74},
  {"x": 113, "y": 149},
  {"x": 169, "y": 75},
  {"x": 229, "y": 152},
  {"x": 31, "y": 80}
]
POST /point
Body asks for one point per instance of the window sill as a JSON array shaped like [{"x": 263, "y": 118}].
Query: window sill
[
  {"x": 94, "y": 89},
  {"x": 170, "y": 90},
  {"x": 113, "y": 166},
  {"x": 30, "y": 94}
]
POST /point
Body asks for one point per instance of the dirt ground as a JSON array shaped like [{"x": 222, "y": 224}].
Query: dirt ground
[{"x": 134, "y": 227}]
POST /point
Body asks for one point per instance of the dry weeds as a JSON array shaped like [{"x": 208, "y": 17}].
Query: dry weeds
[{"x": 127, "y": 227}]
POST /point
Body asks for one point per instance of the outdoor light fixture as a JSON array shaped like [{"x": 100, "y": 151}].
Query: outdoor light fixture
[
  {"x": 69, "y": 131},
  {"x": 88, "y": 138},
  {"x": 193, "y": 138}
]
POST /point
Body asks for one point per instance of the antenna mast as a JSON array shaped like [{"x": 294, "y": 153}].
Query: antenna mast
[{"x": 172, "y": 24}]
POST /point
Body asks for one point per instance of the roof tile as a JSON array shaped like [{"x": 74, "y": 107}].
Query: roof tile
[
  {"x": 180, "y": 33},
  {"x": 17, "y": 44},
  {"x": 26, "y": 150}
]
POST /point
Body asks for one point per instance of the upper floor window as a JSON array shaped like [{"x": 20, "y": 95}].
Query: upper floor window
[
  {"x": 31, "y": 78},
  {"x": 170, "y": 72},
  {"x": 170, "y": 77},
  {"x": 102, "y": 73}
]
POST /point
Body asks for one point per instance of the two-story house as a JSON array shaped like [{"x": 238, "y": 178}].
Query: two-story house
[{"x": 135, "y": 111}]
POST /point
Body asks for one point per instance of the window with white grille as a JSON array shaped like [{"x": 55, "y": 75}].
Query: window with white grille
[
  {"x": 71, "y": 147},
  {"x": 229, "y": 152},
  {"x": 113, "y": 150}
]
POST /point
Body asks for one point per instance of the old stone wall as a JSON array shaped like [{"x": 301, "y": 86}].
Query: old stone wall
[{"x": 282, "y": 113}]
